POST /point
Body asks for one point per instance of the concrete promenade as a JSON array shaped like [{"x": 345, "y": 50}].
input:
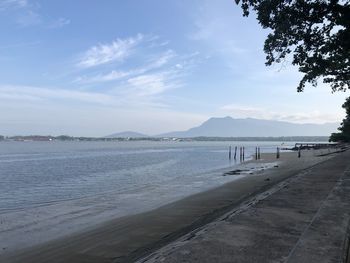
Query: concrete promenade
[{"x": 302, "y": 219}]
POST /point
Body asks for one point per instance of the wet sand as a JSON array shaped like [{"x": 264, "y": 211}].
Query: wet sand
[{"x": 129, "y": 238}]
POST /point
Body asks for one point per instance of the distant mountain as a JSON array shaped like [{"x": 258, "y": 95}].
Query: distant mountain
[
  {"x": 229, "y": 127},
  {"x": 127, "y": 134}
]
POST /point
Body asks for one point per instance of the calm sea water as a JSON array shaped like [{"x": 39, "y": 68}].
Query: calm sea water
[{"x": 39, "y": 173}]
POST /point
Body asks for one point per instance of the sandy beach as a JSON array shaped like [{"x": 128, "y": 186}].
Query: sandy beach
[{"x": 132, "y": 237}]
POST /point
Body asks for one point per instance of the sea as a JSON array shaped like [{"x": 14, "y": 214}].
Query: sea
[
  {"x": 49, "y": 189},
  {"x": 37, "y": 173}
]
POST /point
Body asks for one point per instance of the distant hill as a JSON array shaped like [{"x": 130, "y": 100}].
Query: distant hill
[
  {"x": 229, "y": 127},
  {"x": 127, "y": 134}
]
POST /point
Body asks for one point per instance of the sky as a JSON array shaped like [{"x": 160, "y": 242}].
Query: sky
[{"x": 93, "y": 68}]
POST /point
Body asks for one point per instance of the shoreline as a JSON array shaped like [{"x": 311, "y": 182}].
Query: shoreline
[
  {"x": 304, "y": 218},
  {"x": 131, "y": 237},
  {"x": 55, "y": 220}
]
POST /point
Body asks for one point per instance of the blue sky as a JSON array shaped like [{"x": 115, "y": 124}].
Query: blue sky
[{"x": 97, "y": 67}]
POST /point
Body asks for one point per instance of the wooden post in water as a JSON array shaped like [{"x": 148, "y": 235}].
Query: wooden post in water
[
  {"x": 259, "y": 153},
  {"x": 299, "y": 152},
  {"x": 240, "y": 153},
  {"x": 278, "y": 153},
  {"x": 229, "y": 153},
  {"x": 243, "y": 154},
  {"x": 256, "y": 153},
  {"x": 235, "y": 152}
]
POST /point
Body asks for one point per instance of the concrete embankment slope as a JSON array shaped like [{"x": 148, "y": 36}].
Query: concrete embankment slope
[{"x": 303, "y": 219}]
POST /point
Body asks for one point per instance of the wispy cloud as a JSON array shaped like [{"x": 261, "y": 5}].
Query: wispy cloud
[
  {"x": 243, "y": 111},
  {"x": 155, "y": 63},
  {"x": 23, "y": 12},
  {"x": 26, "y": 14},
  {"x": 29, "y": 18},
  {"x": 215, "y": 35},
  {"x": 139, "y": 87},
  {"x": 113, "y": 75},
  {"x": 152, "y": 84},
  {"x": 214, "y": 26},
  {"x": 161, "y": 59},
  {"x": 205, "y": 27},
  {"x": 60, "y": 22},
  {"x": 20, "y": 44},
  {"x": 315, "y": 116},
  {"x": 139, "y": 92},
  {"x": 112, "y": 52},
  {"x": 145, "y": 85},
  {"x": 29, "y": 93},
  {"x": 10, "y": 4},
  {"x": 88, "y": 119}
]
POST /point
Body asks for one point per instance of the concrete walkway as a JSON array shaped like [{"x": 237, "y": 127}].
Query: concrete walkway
[{"x": 303, "y": 219}]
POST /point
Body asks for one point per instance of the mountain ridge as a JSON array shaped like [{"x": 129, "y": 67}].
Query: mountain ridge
[
  {"x": 251, "y": 127},
  {"x": 126, "y": 134}
]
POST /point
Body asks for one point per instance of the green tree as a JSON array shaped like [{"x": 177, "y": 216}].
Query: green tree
[
  {"x": 315, "y": 33},
  {"x": 344, "y": 134}
]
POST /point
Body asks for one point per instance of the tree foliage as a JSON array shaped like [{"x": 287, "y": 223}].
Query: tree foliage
[
  {"x": 344, "y": 134},
  {"x": 315, "y": 33}
]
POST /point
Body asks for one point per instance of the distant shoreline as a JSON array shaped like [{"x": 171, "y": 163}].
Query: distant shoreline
[{"x": 199, "y": 138}]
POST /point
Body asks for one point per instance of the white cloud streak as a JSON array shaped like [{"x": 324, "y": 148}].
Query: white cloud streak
[
  {"x": 113, "y": 75},
  {"x": 315, "y": 116},
  {"x": 146, "y": 85},
  {"x": 118, "y": 50},
  {"x": 9, "y": 4},
  {"x": 139, "y": 92},
  {"x": 40, "y": 110},
  {"x": 156, "y": 63},
  {"x": 28, "y": 93},
  {"x": 60, "y": 22}
]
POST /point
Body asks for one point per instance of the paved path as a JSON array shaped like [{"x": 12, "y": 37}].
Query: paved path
[{"x": 303, "y": 219}]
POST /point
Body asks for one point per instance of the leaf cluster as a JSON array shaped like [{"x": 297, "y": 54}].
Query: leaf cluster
[
  {"x": 344, "y": 134},
  {"x": 315, "y": 33}
]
